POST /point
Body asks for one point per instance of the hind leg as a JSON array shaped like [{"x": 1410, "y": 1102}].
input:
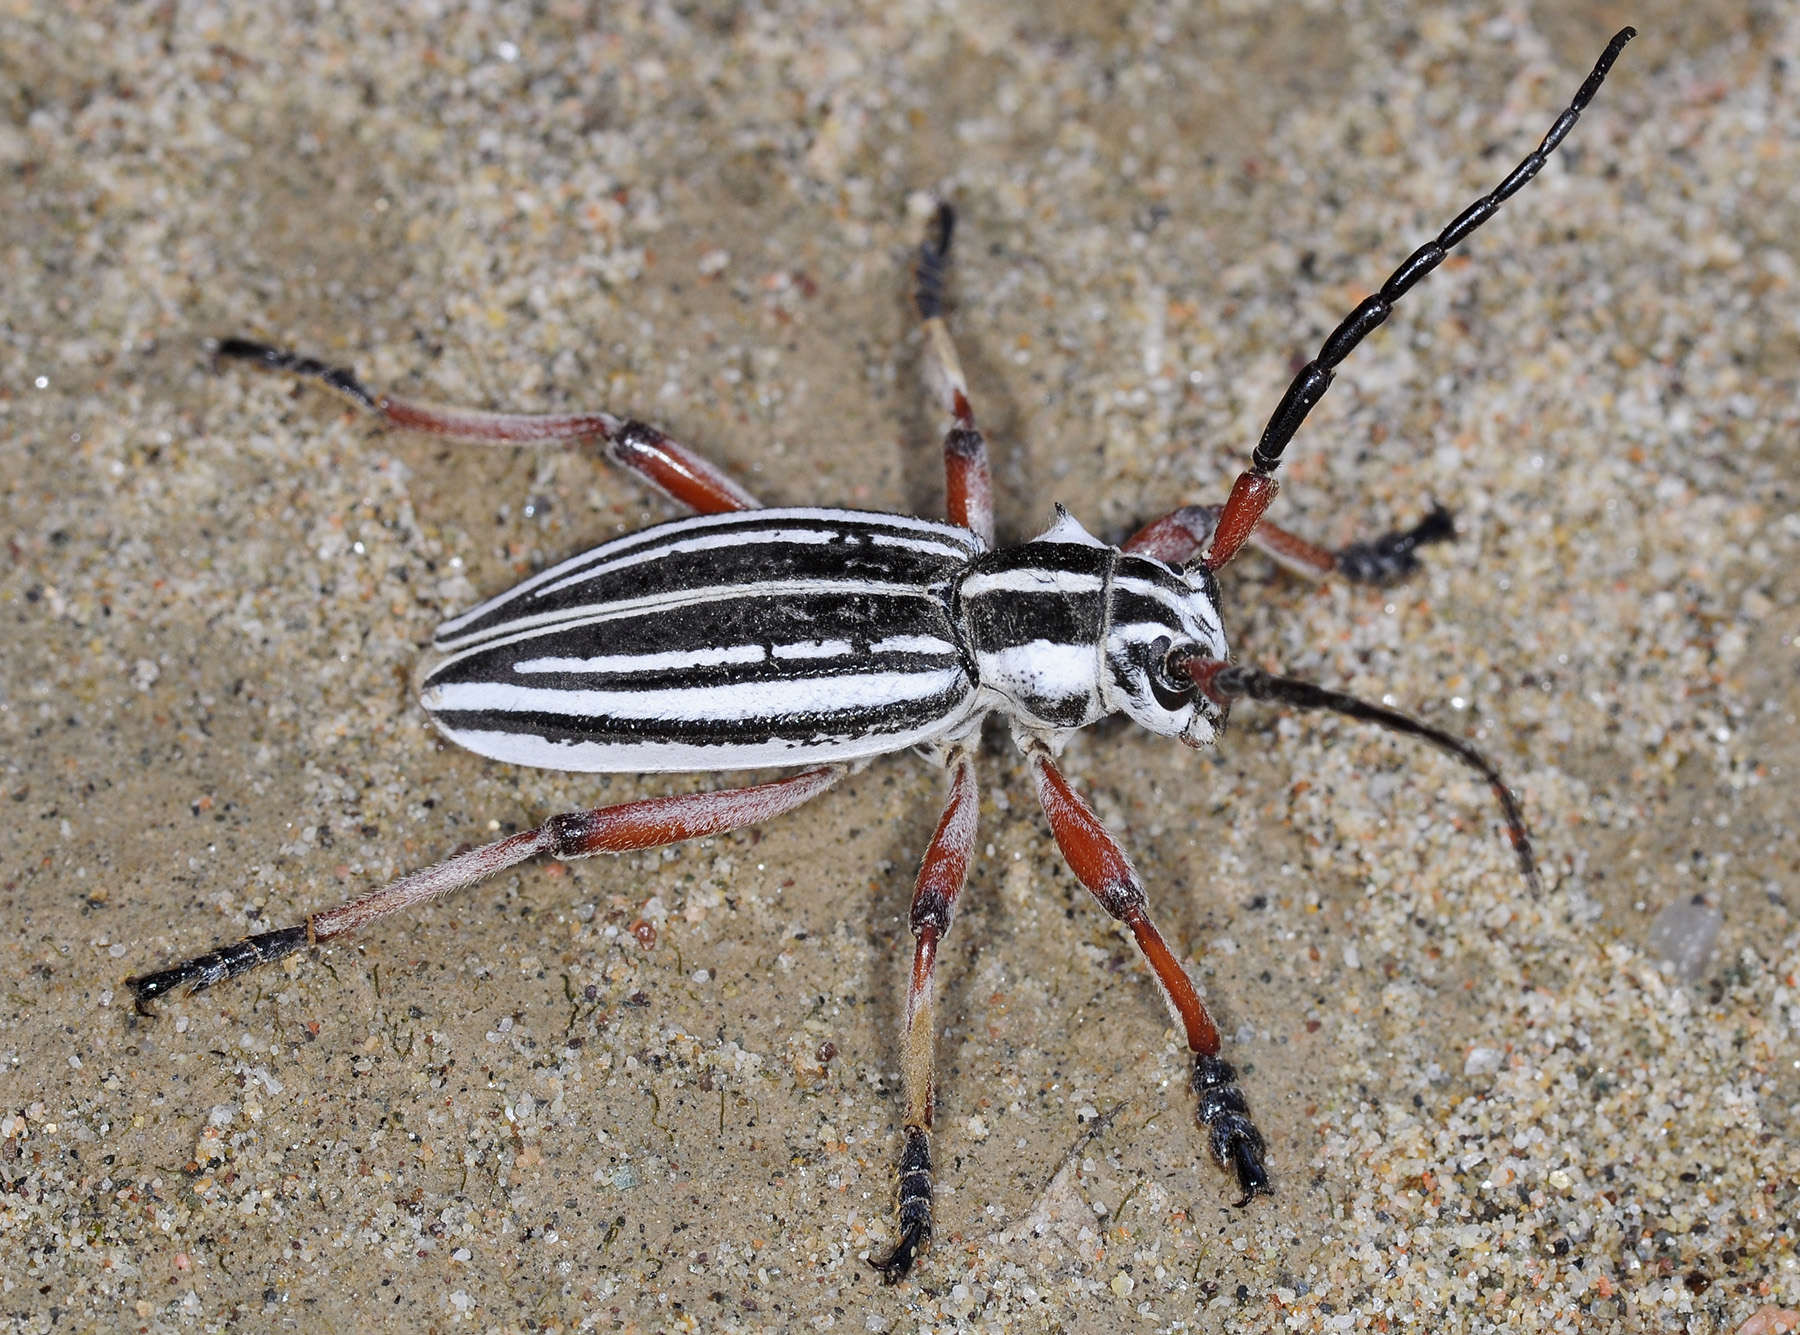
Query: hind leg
[
  {"x": 942, "y": 874},
  {"x": 627, "y": 827},
  {"x": 669, "y": 466}
]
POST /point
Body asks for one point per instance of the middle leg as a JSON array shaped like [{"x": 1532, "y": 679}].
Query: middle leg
[
  {"x": 968, "y": 480},
  {"x": 1102, "y": 866},
  {"x": 942, "y": 874}
]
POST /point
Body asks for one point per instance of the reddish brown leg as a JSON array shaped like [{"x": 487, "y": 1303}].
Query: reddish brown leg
[
  {"x": 1292, "y": 552},
  {"x": 1101, "y": 865},
  {"x": 630, "y": 826},
  {"x": 942, "y": 874},
  {"x": 1178, "y": 537},
  {"x": 667, "y": 465},
  {"x": 968, "y": 480}
]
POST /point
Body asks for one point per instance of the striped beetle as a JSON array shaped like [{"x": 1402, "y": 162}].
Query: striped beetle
[{"x": 747, "y": 637}]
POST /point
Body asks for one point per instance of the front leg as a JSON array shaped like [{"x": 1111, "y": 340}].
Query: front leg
[
  {"x": 1101, "y": 865},
  {"x": 1182, "y": 535},
  {"x": 942, "y": 874}
]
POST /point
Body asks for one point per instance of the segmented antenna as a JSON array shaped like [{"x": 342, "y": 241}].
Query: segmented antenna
[{"x": 1223, "y": 682}]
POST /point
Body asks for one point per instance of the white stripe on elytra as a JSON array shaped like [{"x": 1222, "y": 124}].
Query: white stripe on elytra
[
  {"x": 742, "y": 653},
  {"x": 734, "y": 702},
  {"x": 663, "y": 757},
  {"x": 588, "y": 614},
  {"x": 913, "y": 544},
  {"x": 1028, "y": 580},
  {"x": 961, "y": 542},
  {"x": 912, "y": 644}
]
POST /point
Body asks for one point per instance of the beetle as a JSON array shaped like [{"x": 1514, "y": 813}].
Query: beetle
[{"x": 745, "y": 638}]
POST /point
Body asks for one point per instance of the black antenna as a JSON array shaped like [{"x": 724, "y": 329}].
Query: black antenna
[
  {"x": 1314, "y": 379},
  {"x": 1223, "y": 682}
]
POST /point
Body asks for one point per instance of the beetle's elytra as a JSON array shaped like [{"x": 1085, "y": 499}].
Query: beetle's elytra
[{"x": 817, "y": 638}]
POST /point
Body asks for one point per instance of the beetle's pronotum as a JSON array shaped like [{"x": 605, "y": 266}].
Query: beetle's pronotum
[{"x": 746, "y": 637}]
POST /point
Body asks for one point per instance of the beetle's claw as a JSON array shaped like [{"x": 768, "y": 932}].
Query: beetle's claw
[
  {"x": 915, "y": 1236},
  {"x": 1236, "y": 1143},
  {"x": 915, "y": 1207},
  {"x": 1246, "y": 1160}
]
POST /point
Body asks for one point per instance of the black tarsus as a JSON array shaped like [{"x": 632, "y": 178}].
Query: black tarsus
[
  {"x": 1315, "y": 377},
  {"x": 279, "y": 359},
  {"x": 934, "y": 262},
  {"x": 216, "y": 966},
  {"x": 1235, "y": 1142},
  {"x": 1239, "y": 680},
  {"x": 1390, "y": 558},
  {"x": 915, "y": 1208}
]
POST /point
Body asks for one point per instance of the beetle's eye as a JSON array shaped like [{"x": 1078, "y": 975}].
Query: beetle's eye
[
  {"x": 1172, "y": 687},
  {"x": 1165, "y": 660}
]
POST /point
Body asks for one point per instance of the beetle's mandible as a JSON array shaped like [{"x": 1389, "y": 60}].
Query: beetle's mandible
[{"x": 816, "y": 638}]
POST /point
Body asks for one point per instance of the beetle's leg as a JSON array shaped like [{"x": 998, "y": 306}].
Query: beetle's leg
[
  {"x": 630, "y": 826},
  {"x": 1178, "y": 537},
  {"x": 1101, "y": 865},
  {"x": 968, "y": 481},
  {"x": 942, "y": 872},
  {"x": 1253, "y": 491},
  {"x": 667, "y": 465},
  {"x": 1182, "y": 535}
]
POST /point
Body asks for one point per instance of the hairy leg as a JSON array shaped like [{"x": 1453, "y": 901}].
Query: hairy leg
[
  {"x": 1102, "y": 866},
  {"x": 665, "y": 464},
  {"x": 968, "y": 479},
  {"x": 1180, "y": 536},
  {"x": 942, "y": 874},
  {"x": 630, "y": 826}
]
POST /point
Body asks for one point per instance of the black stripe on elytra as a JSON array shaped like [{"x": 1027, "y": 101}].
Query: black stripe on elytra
[
  {"x": 854, "y": 551},
  {"x": 766, "y": 621},
  {"x": 800, "y": 729}
]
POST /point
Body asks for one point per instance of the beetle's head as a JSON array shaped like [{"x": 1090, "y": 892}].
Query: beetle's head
[{"x": 1157, "y": 618}]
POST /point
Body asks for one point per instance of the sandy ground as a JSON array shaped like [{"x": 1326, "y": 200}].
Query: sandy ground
[{"x": 1486, "y": 1109}]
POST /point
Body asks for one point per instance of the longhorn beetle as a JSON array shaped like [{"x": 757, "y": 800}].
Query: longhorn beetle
[{"x": 745, "y": 638}]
